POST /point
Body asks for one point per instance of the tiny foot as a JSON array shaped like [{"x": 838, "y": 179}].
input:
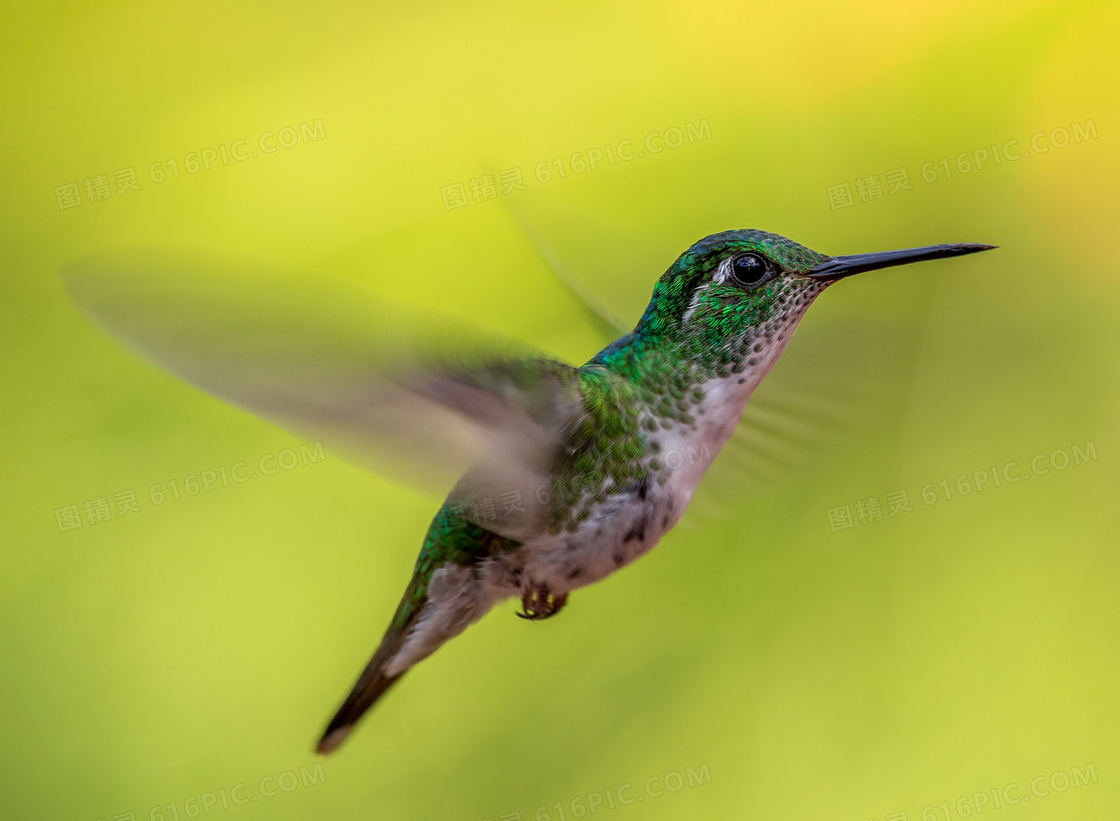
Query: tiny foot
[{"x": 538, "y": 604}]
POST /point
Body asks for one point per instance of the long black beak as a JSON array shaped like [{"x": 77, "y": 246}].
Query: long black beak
[{"x": 840, "y": 267}]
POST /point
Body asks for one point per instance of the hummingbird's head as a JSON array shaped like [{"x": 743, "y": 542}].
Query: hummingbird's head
[{"x": 734, "y": 298}]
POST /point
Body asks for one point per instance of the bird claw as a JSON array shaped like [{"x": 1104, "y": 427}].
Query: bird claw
[{"x": 538, "y": 604}]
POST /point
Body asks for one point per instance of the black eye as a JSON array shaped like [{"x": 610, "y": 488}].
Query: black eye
[{"x": 750, "y": 269}]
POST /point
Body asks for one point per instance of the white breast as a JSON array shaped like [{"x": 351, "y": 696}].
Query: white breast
[{"x": 625, "y": 526}]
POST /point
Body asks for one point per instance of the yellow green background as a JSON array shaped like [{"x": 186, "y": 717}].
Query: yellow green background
[{"x": 950, "y": 650}]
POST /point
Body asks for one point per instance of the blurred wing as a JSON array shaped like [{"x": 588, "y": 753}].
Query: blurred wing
[
  {"x": 378, "y": 381},
  {"x": 786, "y": 433},
  {"x": 605, "y": 322},
  {"x": 840, "y": 397}
]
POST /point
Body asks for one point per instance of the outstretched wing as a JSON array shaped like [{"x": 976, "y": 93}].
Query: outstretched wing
[{"x": 380, "y": 382}]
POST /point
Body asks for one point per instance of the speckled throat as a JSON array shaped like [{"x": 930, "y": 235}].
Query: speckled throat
[{"x": 685, "y": 373}]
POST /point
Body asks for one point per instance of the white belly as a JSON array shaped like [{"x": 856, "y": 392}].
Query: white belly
[{"x": 625, "y": 525}]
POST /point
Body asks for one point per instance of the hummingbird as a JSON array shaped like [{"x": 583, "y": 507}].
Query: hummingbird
[{"x": 572, "y": 473}]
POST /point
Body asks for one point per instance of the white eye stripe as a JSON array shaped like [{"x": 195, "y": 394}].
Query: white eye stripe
[{"x": 692, "y": 305}]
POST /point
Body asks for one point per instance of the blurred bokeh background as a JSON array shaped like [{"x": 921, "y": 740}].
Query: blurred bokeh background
[{"x": 782, "y": 659}]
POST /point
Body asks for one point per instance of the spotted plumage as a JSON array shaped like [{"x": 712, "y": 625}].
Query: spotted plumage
[
  {"x": 677, "y": 384},
  {"x": 570, "y": 473}
]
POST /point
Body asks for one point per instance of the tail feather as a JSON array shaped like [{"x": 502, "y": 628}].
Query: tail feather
[
  {"x": 371, "y": 685},
  {"x": 373, "y": 682},
  {"x": 454, "y": 598}
]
